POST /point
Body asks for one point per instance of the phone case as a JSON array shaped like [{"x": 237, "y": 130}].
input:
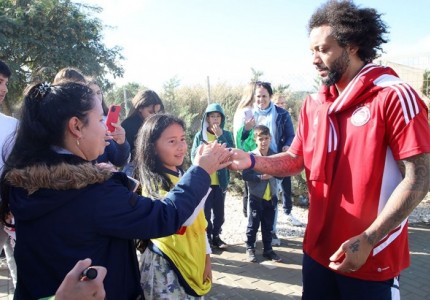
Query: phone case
[
  {"x": 248, "y": 115},
  {"x": 112, "y": 116}
]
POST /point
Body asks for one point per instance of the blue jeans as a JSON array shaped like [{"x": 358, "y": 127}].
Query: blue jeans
[
  {"x": 214, "y": 211},
  {"x": 322, "y": 283}
]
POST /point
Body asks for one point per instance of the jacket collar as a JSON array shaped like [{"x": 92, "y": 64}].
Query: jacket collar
[{"x": 62, "y": 176}]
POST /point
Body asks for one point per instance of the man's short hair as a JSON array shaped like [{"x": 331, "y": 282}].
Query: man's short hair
[
  {"x": 4, "y": 69},
  {"x": 260, "y": 130}
]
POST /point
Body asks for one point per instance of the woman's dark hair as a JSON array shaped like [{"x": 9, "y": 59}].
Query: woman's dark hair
[
  {"x": 145, "y": 98},
  {"x": 150, "y": 170},
  {"x": 45, "y": 114},
  {"x": 360, "y": 27},
  {"x": 265, "y": 85}
]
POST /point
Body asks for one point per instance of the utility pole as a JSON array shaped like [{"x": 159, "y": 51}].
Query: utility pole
[
  {"x": 209, "y": 91},
  {"x": 125, "y": 100}
]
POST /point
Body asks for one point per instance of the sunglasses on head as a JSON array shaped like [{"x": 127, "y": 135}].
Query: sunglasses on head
[{"x": 262, "y": 83}]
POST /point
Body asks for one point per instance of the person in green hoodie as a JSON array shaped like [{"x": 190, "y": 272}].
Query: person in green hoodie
[{"x": 212, "y": 129}]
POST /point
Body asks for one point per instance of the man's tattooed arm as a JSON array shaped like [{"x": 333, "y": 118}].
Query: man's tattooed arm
[
  {"x": 408, "y": 194},
  {"x": 281, "y": 165}
]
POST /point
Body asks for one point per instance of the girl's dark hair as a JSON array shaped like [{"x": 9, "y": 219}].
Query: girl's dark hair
[
  {"x": 45, "y": 114},
  {"x": 360, "y": 27},
  {"x": 150, "y": 170},
  {"x": 144, "y": 99}
]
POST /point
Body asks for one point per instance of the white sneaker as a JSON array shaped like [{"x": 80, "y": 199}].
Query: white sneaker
[
  {"x": 275, "y": 240},
  {"x": 3, "y": 264},
  {"x": 293, "y": 220}
]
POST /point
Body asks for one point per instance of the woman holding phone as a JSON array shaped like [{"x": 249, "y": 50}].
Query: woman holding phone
[
  {"x": 118, "y": 150},
  {"x": 244, "y": 117},
  {"x": 279, "y": 122}
]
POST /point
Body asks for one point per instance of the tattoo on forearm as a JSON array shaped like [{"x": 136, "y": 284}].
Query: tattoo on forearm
[
  {"x": 409, "y": 194},
  {"x": 414, "y": 186},
  {"x": 371, "y": 239},
  {"x": 280, "y": 165},
  {"x": 355, "y": 246}
]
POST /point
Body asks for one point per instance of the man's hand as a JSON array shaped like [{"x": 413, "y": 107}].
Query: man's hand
[
  {"x": 240, "y": 160},
  {"x": 351, "y": 255}
]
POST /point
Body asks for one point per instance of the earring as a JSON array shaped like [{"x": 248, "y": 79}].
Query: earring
[{"x": 77, "y": 142}]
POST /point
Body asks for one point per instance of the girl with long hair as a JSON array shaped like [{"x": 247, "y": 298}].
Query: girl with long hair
[{"x": 176, "y": 266}]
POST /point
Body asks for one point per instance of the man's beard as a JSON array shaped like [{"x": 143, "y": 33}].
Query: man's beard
[{"x": 337, "y": 69}]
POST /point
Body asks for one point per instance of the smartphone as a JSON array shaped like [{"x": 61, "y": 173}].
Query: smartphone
[
  {"x": 248, "y": 115},
  {"x": 112, "y": 116}
]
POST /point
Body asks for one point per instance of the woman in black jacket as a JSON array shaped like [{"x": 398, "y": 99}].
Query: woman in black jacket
[{"x": 67, "y": 208}]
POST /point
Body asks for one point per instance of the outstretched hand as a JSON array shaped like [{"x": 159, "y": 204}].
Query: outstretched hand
[
  {"x": 212, "y": 157},
  {"x": 240, "y": 160}
]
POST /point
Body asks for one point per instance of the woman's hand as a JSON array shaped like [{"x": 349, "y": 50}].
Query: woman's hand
[
  {"x": 249, "y": 124},
  {"x": 119, "y": 133}
]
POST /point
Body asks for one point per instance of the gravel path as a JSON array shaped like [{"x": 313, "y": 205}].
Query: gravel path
[{"x": 235, "y": 223}]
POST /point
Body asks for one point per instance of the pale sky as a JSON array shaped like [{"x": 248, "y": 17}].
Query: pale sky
[{"x": 224, "y": 39}]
